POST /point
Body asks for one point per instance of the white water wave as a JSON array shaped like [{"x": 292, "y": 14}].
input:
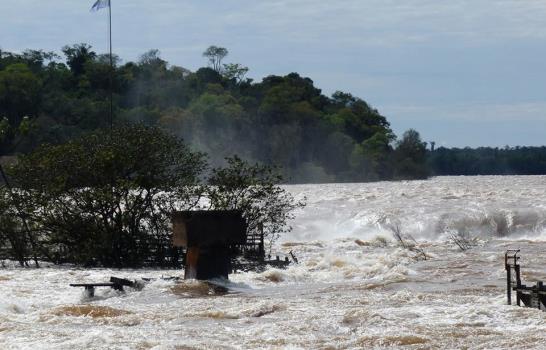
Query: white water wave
[
  {"x": 486, "y": 207},
  {"x": 354, "y": 287}
]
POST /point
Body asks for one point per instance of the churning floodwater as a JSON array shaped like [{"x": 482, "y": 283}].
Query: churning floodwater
[{"x": 354, "y": 288}]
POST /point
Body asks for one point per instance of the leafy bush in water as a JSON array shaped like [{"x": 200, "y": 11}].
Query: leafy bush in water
[
  {"x": 253, "y": 189},
  {"x": 106, "y": 198},
  {"x": 102, "y": 199}
]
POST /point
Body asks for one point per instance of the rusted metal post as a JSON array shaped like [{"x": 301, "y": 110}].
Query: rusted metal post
[
  {"x": 509, "y": 284},
  {"x": 539, "y": 288},
  {"x": 192, "y": 258},
  {"x": 518, "y": 284},
  {"x": 508, "y": 267}
]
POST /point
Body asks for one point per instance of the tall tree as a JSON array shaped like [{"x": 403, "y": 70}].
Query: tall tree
[
  {"x": 410, "y": 156},
  {"x": 215, "y": 55},
  {"x": 77, "y": 55},
  {"x": 235, "y": 71}
]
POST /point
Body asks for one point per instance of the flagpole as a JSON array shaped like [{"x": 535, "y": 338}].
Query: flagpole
[{"x": 111, "y": 66}]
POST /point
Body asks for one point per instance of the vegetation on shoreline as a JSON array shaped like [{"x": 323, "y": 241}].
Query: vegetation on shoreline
[
  {"x": 282, "y": 120},
  {"x": 488, "y": 161},
  {"x": 106, "y": 198}
]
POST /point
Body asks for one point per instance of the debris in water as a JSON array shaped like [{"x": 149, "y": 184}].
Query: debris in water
[
  {"x": 362, "y": 243},
  {"x": 115, "y": 283}
]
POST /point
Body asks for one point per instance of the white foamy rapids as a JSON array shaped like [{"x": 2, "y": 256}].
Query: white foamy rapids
[
  {"x": 354, "y": 286},
  {"x": 483, "y": 206}
]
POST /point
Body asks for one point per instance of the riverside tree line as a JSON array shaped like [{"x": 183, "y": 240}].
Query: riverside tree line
[{"x": 283, "y": 120}]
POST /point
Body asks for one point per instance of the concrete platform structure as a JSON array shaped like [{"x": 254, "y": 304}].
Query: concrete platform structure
[{"x": 208, "y": 237}]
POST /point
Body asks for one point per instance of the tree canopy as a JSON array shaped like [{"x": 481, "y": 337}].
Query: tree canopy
[
  {"x": 106, "y": 198},
  {"x": 281, "y": 120}
]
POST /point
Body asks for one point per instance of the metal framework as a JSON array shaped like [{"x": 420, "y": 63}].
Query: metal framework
[{"x": 530, "y": 296}]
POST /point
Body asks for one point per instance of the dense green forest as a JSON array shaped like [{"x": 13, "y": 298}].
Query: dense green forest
[
  {"x": 282, "y": 120},
  {"x": 488, "y": 161}
]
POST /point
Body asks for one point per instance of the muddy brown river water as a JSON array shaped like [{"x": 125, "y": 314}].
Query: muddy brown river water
[{"x": 354, "y": 288}]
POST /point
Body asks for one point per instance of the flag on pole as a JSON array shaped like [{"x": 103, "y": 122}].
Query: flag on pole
[{"x": 100, "y": 4}]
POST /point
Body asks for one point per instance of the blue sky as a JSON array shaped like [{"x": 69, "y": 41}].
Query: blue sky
[{"x": 461, "y": 72}]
